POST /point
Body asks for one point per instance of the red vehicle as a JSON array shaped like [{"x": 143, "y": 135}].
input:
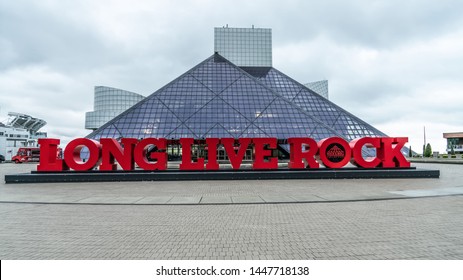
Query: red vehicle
[
  {"x": 27, "y": 155},
  {"x": 31, "y": 155}
]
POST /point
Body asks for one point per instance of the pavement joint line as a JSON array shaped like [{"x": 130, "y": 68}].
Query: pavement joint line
[
  {"x": 137, "y": 200},
  {"x": 239, "y": 203},
  {"x": 324, "y": 199}
]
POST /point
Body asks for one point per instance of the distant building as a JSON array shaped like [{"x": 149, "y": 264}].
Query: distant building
[
  {"x": 320, "y": 87},
  {"x": 109, "y": 102},
  {"x": 455, "y": 140},
  {"x": 20, "y": 130},
  {"x": 244, "y": 47}
]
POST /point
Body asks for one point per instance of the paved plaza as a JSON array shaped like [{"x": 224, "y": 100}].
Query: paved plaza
[{"x": 268, "y": 219}]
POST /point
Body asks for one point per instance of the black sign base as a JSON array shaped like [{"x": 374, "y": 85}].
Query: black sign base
[{"x": 244, "y": 174}]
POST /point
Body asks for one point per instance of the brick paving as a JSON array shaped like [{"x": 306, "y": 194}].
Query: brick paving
[
  {"x": 418, "y": 228},
  {"x": 423, "y": 228},
  {"x": 246, "y": 191}
]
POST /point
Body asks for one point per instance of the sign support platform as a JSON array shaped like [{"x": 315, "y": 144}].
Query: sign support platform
[{"x": 223, "y": 174}]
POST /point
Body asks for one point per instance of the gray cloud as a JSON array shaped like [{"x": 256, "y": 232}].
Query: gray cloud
[
  {"x": 378, "y": 24},
  {"x": 395, "y": 64}
]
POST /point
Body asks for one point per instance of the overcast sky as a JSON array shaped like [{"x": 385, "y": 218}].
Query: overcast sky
[{"x": 398, "y": 65}]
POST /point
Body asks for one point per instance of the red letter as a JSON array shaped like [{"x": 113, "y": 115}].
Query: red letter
[
  {"x": 48, "y": 152},
  {"x": 390, "y": 152},
  {"x": 297, "y": 155},
  {"x": 141, "y": 157},
  {"x": 357, "y": 158},
  {"x": 187, "y": 164},
  {"x": 261, "y": 161},
  {"x": 112, "y": 150},
  {"x": 334, "y": 152},
  {"x": 72, "y": 154},
  {"x": 235, "y": 158},
  {"x": 212, "y": 163}
]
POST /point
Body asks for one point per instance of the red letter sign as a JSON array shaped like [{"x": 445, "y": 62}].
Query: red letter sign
[
  {"x": 334, "y": 152},
  {"x": 187, "y": 164},
  {"x": 212, "y": 163},
  {"x": 235, "y": 158},
  {"x": 261, "y": 154},
  {"x": 112, "y": 150},
  {"x": 357, "y": 159},
  {"x": 72, "y": 154},
  {"x": 390, "y": 152},
  {"x": 141, "y": 154},
  {"x": 297, "y": 154},
  {"x": 48, "y": 152}
]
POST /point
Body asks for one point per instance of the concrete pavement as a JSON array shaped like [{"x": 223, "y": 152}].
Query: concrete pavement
[{"x": 341, "y": 219}]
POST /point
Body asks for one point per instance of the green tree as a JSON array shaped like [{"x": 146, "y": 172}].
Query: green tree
[
  {"x": 428, "y": 151},
  {"x": 452, "y": 151},
  {"x": 410, "y": 154}
]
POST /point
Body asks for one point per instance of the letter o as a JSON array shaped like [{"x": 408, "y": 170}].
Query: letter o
[
  {"x": 334, "y": 152},
  {"x": 72, "y": 154}
]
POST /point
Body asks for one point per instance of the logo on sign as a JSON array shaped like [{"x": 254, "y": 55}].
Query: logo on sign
[{"x": 335, "y": 153}]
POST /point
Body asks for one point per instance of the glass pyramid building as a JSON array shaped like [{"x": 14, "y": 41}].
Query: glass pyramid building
[{"x": 219, "y": 99}]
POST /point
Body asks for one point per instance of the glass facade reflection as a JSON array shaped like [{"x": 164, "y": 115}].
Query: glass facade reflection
[
  {"x": 320, "y": 87},
  {"x": 109, "y": 103},
  {"x": 244, "y": 46}
]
